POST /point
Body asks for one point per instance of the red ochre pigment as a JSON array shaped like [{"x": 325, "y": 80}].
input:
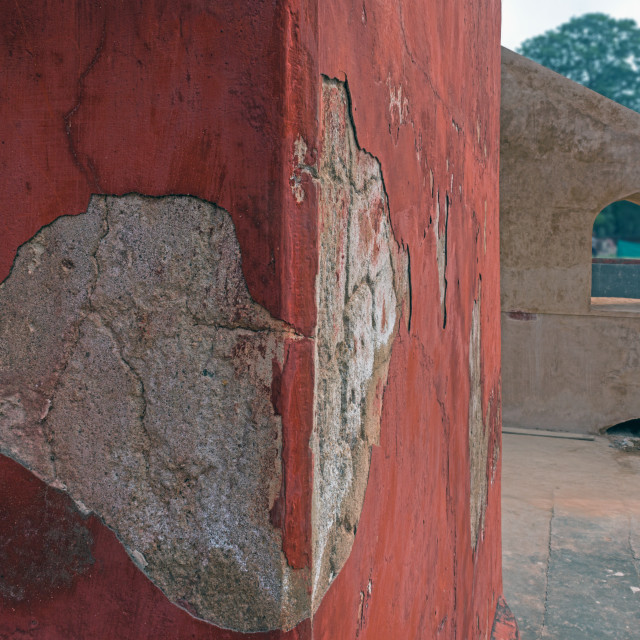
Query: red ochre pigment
[{"x": 208, "y": 99}]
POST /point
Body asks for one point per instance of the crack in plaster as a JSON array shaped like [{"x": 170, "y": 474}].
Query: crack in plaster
[
  {"x": 441, "y": 254},
  {"x": 67, "y": 117}
]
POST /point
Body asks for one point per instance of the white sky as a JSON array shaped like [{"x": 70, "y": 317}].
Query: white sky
[{"x": 522, "y": 19}]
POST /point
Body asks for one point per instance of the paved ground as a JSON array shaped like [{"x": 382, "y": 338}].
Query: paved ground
[{"x": 571, "y": 538}]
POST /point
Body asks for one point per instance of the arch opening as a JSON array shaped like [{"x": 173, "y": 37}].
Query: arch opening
[
  {"x": 625, "y": 435},
  {"x": 615, "y": 252}
]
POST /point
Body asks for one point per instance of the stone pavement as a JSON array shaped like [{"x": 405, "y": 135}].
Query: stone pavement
[{"x": 571, "y": 538}]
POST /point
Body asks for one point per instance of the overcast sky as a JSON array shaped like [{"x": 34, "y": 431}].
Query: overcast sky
[{"x": 522, "y": 19}]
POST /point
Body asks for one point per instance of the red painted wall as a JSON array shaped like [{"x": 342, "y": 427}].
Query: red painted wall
[
  {"x": 205, "y": 98},
  {"x": 414, "y": 535}
]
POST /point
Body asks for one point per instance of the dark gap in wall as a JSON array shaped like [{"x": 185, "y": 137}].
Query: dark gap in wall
[{"x": 630, "y": 427}]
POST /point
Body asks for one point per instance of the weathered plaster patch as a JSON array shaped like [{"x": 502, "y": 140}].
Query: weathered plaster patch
[
  {"x": 136, "y": 375},
  {"x": 478, "y": 432},
  {"x": 362, "y": 282},
  {"x": 299, "y": 168},
  {"x": 134, "y": 324},
  {"x": 441, "y": 254}
]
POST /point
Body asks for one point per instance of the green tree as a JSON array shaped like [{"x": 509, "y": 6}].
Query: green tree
[{"x": 596, "y": 50}]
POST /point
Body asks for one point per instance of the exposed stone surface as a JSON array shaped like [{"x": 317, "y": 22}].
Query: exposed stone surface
[
  {"x": 133, "y": 323},
  {"x": 362, "y": 283},
  {"x": 478, "y": 431},
  {"x": 137, "y": 375},
  {"x": 208, "y": 99}
]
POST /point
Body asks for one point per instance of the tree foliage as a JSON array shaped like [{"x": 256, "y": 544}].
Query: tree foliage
[
  {"x": 596, "y": 50},
  {"x": 603, "y": 54}
]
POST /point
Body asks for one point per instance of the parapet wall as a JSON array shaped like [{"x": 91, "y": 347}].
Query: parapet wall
[
  {"x": 249, "y": 357},
  {"x": 566, "y": 152}
]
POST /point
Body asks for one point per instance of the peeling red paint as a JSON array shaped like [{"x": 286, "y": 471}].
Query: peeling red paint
[
  {"x": 412, "y": 68},
  {"x": 44, "y": 542},
  {"x": 504, "y": 625},
  {"x": 294, "y": 401},
  {"x": 210, "y": 99},
  {"x": 170, "y": 98}
]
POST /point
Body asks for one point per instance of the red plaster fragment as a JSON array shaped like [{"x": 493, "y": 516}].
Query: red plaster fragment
[
  {"x": 292, "y": 393},
  {"x": 505, "y": 626},
  {"x": 522, "y": 315}
]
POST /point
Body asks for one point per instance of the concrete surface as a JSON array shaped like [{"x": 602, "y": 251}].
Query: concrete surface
[
  {"x": 571, "y": 538},
  {"x": 571, "y": 372}
]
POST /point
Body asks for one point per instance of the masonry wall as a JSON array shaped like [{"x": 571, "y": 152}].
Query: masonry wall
[
  {"x": 250, "y": 352},
  {"x": 569, "y": 360}
]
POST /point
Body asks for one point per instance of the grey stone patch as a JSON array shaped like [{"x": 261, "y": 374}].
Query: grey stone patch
[
  {"x": 478, "y": 431},
  {"x": 40, "y": 311},
  {"x": 361, "y": 284},
  {"x": 136, "y": 373}
]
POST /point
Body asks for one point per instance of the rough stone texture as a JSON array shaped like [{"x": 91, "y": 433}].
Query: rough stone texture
[
  {"x": 61, "y": 564},
  {"x": 478, "y": 431},
  {"x": 566, "y": 152},
  {"x": 159, "y": 414},
  {"x": 362, "y": 285},
  {"x": 138, "y": 376}
]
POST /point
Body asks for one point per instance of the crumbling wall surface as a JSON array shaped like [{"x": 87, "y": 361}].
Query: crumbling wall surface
[
  {"x": 565, "y": 153},
  {"x": 146, "y": 370},
  {"x": 362, "y": 289},
  {"x": 151, "y": 403},
  {"x": 274, "y": 402},
  {"x": 423, "y": 86},
  {"x": 170, "y": 98}
]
